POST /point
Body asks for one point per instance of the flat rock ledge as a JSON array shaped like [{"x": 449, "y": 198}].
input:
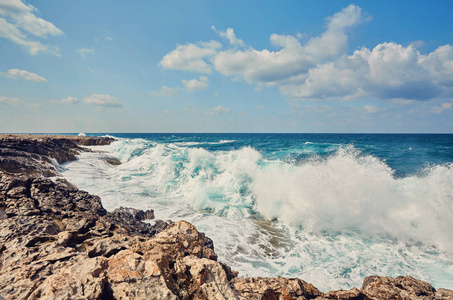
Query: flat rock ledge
[{"x": 58, "y": 242}]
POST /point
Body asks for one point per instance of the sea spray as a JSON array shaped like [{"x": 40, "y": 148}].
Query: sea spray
[
  {"x": 328, "y": 212},
  {"x": 348, "y": 190}
]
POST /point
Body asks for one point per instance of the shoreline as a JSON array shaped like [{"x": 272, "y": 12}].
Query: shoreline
[{"x": 114, "y": 254}]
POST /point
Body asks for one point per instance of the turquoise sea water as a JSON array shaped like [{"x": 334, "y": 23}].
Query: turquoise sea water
[{"x": 328, "y": 208}]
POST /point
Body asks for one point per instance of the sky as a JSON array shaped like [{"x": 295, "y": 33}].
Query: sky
[{"x": 226, "y": 66}]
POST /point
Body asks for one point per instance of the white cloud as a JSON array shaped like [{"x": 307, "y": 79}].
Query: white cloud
[
  {"x": 165, "y": 91},
  {"x": 441, "y": 108},
  {"x": 18, "y": 18},
  {"x": 440, "y": 64},
  {"x": 9, "y": 101},
  {"x": 84, "y": 51},
  {"x": 265, "y": 67},
  {"x": 105, "y": 101},
  {"x": 191, "y": 57},
  {"x": 68, "y": 100},
  {"x": 389, "y": 71},
  {"x": 230, "y": 36},
  {"x": 322, "y": 68},
  {"x": 196, "y": 85},
  {"x": 334, "y": 40},
  {"x": 217, "y": 110},
  {"x": 24, "y": 75},
  {"x": 293, "y": 60}
]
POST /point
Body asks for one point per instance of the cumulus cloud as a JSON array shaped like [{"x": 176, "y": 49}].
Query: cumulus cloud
[
  {"x": 389, "y": 71},
  {"x": 294, "y": 60},
  {"x": 265, "y": 67},
  {"x": 196, "y": 85},
  {"x": 334, "y": 40},
  {"x": 165, "y": 91},
  {"x": 18, "y": 18},
  {"x": 83, "y": 52},
  {"x": 230, "y": 36},
  {"x": 24, "y": 75},
  {"x": 103, "y": 101},
  {"x": 9, "y": 101},
  {"x": 218, "y": 110},
  {"x": 322, "y": 69},
  {"x": 191, "y": 57},
  {"x": 68, "y": 100}
]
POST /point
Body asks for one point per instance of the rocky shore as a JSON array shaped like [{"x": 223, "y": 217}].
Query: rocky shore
[{"x": 58, "y": 242}]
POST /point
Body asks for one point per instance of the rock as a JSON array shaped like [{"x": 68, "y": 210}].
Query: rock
[
  {"x": 133, "y": 277},
  {"x": 112, "y": 160},
  {"x": 50, "y": 230},
  {"x": 352, "y": 294},
  {"x": 132, "y": 218},
  {"x": 402, "y": 287},
  {"x": 444, "y": 294},
  {"x": 81, "y": 279},
  {"x": 206, "y": 279},
  {"x": 41, "y": 154},
  {"x": 274, "y": 288}
]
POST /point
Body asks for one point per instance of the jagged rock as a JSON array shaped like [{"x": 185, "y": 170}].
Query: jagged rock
[
  {"x": 41, "y": 154},
  {"x": 401, "y": 287},
  {"x": 275, "y": 288},
  {"x": 112, "y": 160},
  {"x": 352, "y": 294},
  {"x": 132, "y": 214},
  {"x": 81, "y": 279},
  {"x": 133, "y": 277},
  {"x": 444, "y": 294},
  {"x": 172, "y": 265},
  {"x": 207, "y": 279}
]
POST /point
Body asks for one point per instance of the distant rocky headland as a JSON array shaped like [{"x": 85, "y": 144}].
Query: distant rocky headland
[{"x": 58, "y": 242}]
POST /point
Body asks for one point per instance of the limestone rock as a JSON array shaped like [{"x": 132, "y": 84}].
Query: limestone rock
[
  {"x": 444, "y": 294},
  {"x": 275, "y": 288},
  {"x": 41, "y": 154},
  {"x": 352, "y": 294},
  {"x": 82, "y": 279},
  {"x": 402, "y": 287}
]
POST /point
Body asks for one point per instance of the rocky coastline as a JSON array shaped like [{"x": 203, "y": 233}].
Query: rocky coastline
[{"x": 58, "y": 242}]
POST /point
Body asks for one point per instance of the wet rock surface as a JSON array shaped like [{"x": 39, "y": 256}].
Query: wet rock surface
[{"x": 58, "y": 242}]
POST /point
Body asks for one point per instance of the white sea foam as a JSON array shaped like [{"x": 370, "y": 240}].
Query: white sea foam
[
  {"x": 226, "y": 141},
  {"x": 331, "y": 221},
  {"x": 189, "y": 144}
]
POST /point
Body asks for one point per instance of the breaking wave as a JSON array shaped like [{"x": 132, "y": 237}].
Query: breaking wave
[{"x": 330, "y": 219}]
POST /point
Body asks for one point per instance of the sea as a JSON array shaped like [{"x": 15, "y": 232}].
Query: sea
[{"x": 330, "y": 209}]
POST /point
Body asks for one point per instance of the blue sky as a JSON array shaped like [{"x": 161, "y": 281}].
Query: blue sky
[{"x": 230, "y": 66}]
